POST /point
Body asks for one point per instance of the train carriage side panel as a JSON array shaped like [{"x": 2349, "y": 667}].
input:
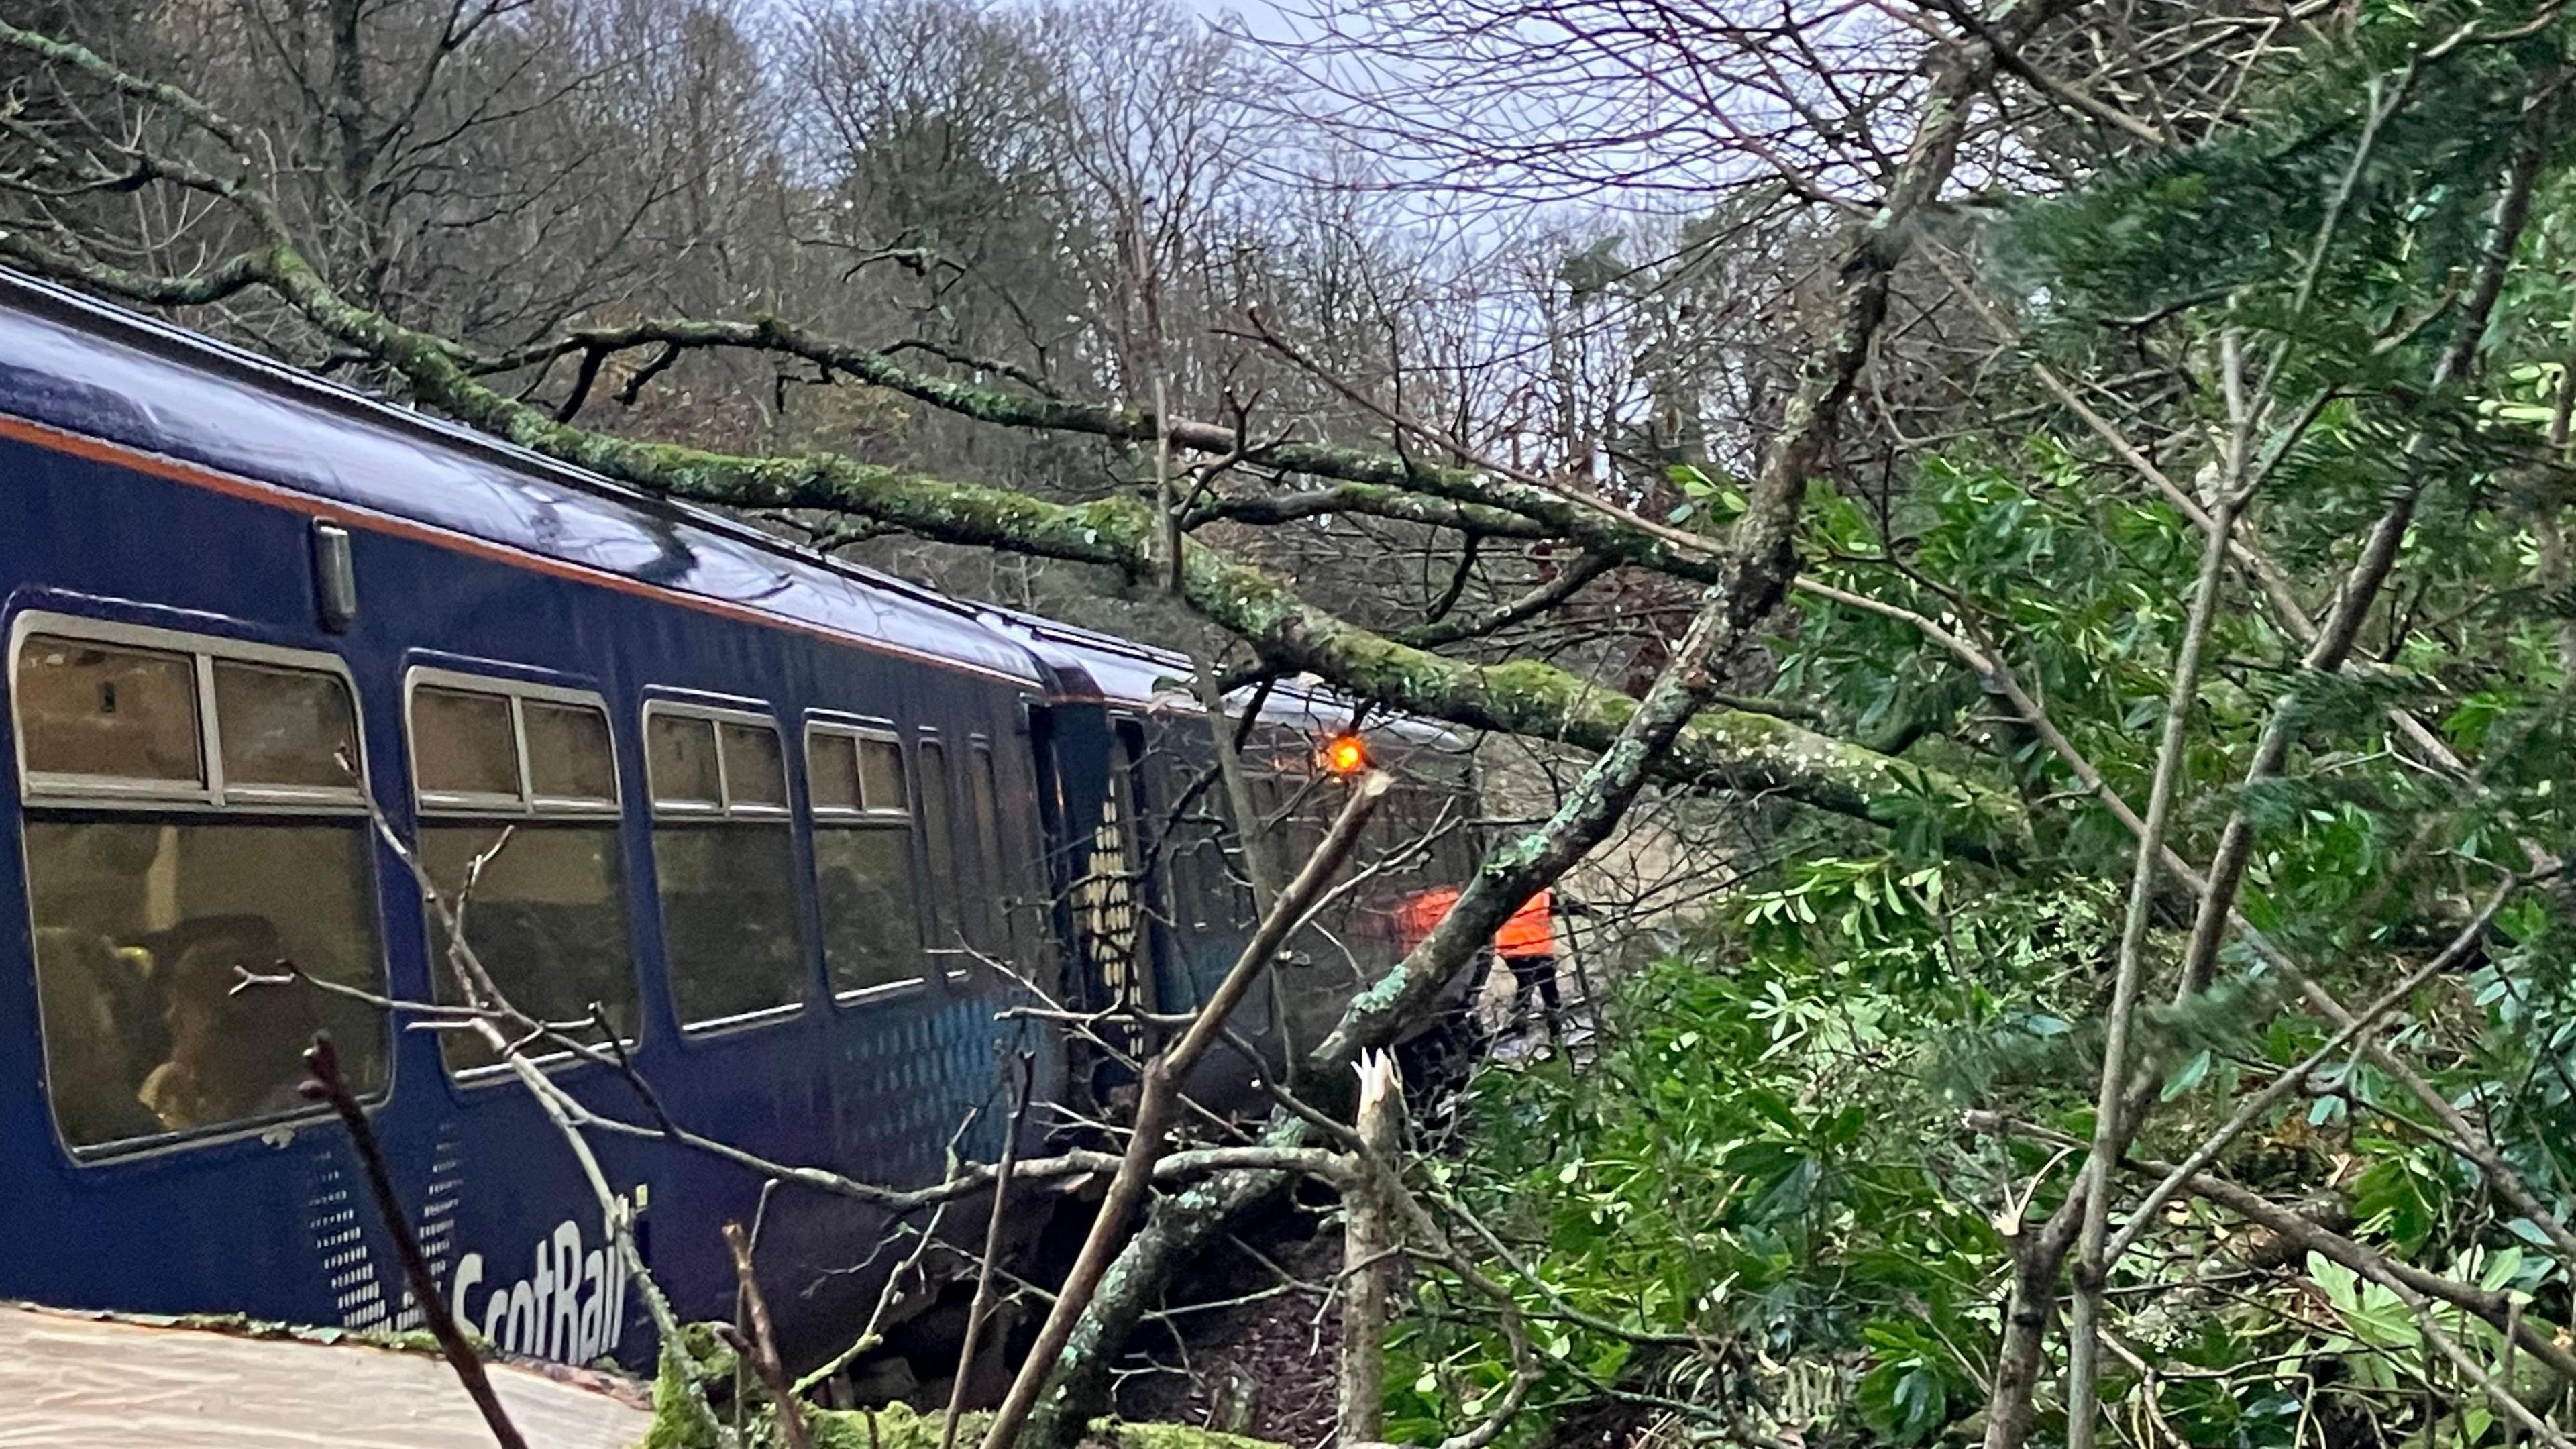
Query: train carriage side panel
[{"x": 90, "y": 539}]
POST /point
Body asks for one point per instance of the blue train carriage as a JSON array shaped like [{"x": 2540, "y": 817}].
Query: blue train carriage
[
  {"x": 788, "y": 825},
  {"x": 1165, "y": 904}
]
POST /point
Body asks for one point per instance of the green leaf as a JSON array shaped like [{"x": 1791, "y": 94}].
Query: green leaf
[{"x": 2187, "y": 1076}]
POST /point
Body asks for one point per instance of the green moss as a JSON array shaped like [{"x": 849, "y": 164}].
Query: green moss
[
  {"x": 681, "y": 1417},
  {"x": 899, "y": 1426},
  {"x": 896, "y": 1426},
  {"x": 1381, "y": 993},
  {"x": 1171, "y": 1436}
]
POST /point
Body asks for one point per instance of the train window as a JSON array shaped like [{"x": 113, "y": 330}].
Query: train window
[
  {"x": 881, "y": 775},
  {"x": 871, "y": 936},
  {"x": 939, "y": 847},
  {"x": 832, "y": 772},
  {"x": 569, "y": 757},
  {"x": 862, "y": 859},
  {"x": 283, "y": 726},
  {"x": 754, "y": 773},
  {"x": 462, "y": 745},
  {"x": 92, "y": 709},
  {"x": 729, "y": 919},
  {"x": 154, "y": 880},
  {"x": 522, "y": 778},
  {"x": 680, "y": 756},
  {"x": 724, "y": 862}
]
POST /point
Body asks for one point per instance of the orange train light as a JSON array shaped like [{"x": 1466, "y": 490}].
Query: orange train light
[{"x": 1345, "y": 754}]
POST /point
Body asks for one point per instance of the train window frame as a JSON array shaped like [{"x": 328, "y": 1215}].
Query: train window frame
[
  {"x": 211, "y": 791},
  {"x": 725, "y": 808},
  {"x": 527, "y": 804},
  {"x": 51, "y": 794},
  {"x": 856, "y": 731},
  {"x": 860, "y": 732}
]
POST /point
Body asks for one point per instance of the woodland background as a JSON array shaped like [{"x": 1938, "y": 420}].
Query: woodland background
[{"x": 2034, "y": 533}]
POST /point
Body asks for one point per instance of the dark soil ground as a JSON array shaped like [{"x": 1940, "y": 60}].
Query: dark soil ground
[
  {"x": 1258, "y": 1359},
  {"x": 1252, "y": 1348}
]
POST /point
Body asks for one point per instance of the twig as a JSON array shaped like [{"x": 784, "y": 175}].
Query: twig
[
  {"x": 992, "y": 1251},
  {"x": 323, "y": 1061},
  {"x": 764, "y": 1342},
  {"x": 872, "y": 1335},
  {"x": 2110, "y": 1133}
]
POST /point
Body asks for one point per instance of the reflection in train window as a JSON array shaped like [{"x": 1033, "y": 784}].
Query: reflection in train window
[
  {"x": 680, "y": 757},
  {"x": 728, "y": 918},
  {"x": 881, "y": 776},
  {"x": 754, "y": 774},
  {"x": 870, "y": 934},
  {"x": 832, "y": 771},
  {"x": 154, "y": 882},
  {"x": 862, "y": 858},
  {"x": 462, "y": 744},
  {"x": 283, "y": 726},
  {"x": 524, "y": 780},
  {"x": 90, "y": 709},
  {"x": 569, "y": 757},
  {"x": 724, "y": 863},
  {"x": 547, "y": 922}
]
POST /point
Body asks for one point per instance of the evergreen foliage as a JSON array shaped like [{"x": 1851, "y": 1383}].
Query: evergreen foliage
[{"x": 1791, "y": 1166}]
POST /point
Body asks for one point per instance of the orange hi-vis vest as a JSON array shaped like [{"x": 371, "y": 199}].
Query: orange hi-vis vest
[
  {"x": 1418, "y": 912},
  {"x": 1529, "y": 932}
]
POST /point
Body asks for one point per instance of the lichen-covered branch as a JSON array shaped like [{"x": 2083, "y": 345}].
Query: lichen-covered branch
[
  {"x": 1386, "y": 484},
  {"x": 1726, "y": 749},
  {"x": 1730, "y": 750}
]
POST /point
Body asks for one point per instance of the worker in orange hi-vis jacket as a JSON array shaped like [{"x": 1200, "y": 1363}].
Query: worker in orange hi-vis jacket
[{"x": 1526, "y": 942}]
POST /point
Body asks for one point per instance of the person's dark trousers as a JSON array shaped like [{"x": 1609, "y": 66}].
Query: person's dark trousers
[{"x": 1535, "y": 973}]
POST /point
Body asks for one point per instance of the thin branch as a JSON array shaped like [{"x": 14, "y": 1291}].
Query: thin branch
[{"x": 323, "y": 1061}]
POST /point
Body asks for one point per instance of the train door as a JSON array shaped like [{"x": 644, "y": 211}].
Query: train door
[
  {"x": 1109, "y": 900},
  {"x": 1110, "y": 915}
]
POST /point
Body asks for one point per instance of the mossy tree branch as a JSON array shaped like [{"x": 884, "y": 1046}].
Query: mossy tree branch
[
  {"x": 1378, "y": 483},
  {"x": 1731, "y": 750}
]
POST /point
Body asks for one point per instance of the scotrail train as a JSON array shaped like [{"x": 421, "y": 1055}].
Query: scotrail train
[{"x": 802, "y": 832}]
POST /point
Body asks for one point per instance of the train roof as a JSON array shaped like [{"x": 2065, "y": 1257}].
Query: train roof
[
  {"x": 87, "y": 368},
  {"x": 1141, "y": 675},
  {"x": 91, "y": 368}
]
